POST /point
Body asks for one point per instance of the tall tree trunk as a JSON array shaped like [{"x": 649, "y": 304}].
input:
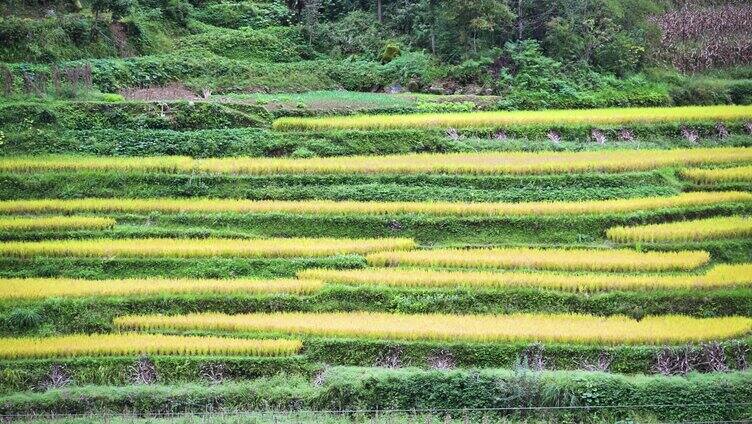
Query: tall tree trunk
[
  {"x": 379, "y": 12},
  {"x": 520, "y": 21}
]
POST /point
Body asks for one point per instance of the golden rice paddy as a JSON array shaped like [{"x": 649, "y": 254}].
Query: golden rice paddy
[
  {"x": 330, "y": 207},
  {"x": 693, "y": 230},
  {"x": 554, "y": 259},
  {"x": 41, "y": 288},
  {"x": 140, "y": 344},
  {"x": 484, "y": 328},
  {"x": 730, "y": 275},
  {"x": 55, "y": 223},
  {"x": 741, "y": 174},
  {"x": 521, "y": 163},
  {"x": 482, "y": 119},
  {"x": 193, "y": 248}
]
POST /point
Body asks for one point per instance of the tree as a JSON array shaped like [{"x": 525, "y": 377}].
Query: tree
[
  {"x": 118, "y": 8},
  {"x": 311, "y": 14},
  {"x": 472, "y": 19}
]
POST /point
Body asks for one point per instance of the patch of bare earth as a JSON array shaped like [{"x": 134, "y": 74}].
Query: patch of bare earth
[{"x": 175, "y": 91}]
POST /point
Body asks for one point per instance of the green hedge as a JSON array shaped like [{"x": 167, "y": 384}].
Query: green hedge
[
  {"x": 512, "y": 355},
  {"x": 57, "y": 116},
  {"x": 99, "y": 268},
  {"x": 95, "y": 314},
  {"x": 207, "y": 129},
  {"x": 696, "y": 397},
  {"x": 34, "y": 374},
  {"x": 427, "y": 230},
  {"x": 420, "y": 187}
]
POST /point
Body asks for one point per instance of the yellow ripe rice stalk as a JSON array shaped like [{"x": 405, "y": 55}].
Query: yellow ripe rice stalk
[
  {"x": 330, "y": 207},
  {"x": 610, "y": 116},
  {"x": 95, "y": 163},
  {"x": 482, "y": 328},
  {"x": 555, "y": 259},
  {"x": 719, "y": 276},
  {"x": 694, "y": 230},
  {"x": 141, "y": 344},
  {"x": 741, "y": 174},
  {"x": 41, "y": 288},
  {"x": 520, "y": 163},
  {"x": 55, "y": 223},
  {"x": 190, "y": 248}
]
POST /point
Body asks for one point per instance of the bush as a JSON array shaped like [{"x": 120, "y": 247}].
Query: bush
[
  {"x": 390, "y": 52},
  {"x": 112, "y": 98},
  {"x": 177, "y": 11},
  {"x": 22, "y": 319},
  {"x": 245, "y": 14}
]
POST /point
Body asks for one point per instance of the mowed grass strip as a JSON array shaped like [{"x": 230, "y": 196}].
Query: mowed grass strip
[
  {"x": 519, "y": 163},
  {"x": 740, "y": 174},
  {"x": 195, "y": 248},
  {"x": 42, "y": 288},
  {"x": 55, "y": 223},
  {"x": 693, "y": 230},
  {"x": 141, "y": 344},
  {"x": 609, "y": 116},
  {"x": 482, "y": 328},
  {"x": 330, "y": 207},
  {"x": 718, "y": 277},
  {"x": 554, "y": 259}
]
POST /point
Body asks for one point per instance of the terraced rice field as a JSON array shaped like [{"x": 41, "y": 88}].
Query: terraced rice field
[
  {"x": 274, "y": 272},
  {"x": 547, "y": 327},
  {"x": 595, "y": 117}
]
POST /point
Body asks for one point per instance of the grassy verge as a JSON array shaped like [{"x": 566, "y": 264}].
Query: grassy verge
[
  {"x": 672, "y": 399},
  {"x": 421, "y": 187}
]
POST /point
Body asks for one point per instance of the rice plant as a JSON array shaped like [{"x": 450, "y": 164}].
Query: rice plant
[
  {"x": 330, "y": 207},
  {"x": 521, "y": 163},
  {"x": 140, "y": 344},
  {"x": 42, "y": 288},
  {"x": 719, "y": 276},
  {"x": 555, "y": 259},
  {"x": 610, "y": 116},
  {"x": 100, "y": 163},
  {"x": 693, "y": 230},
  {"x": 194, "y": 248},
  {"x": 740, "y": 174},
  {"x": 483, "y": 328},
  {"x": 55, "y": 223}
]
